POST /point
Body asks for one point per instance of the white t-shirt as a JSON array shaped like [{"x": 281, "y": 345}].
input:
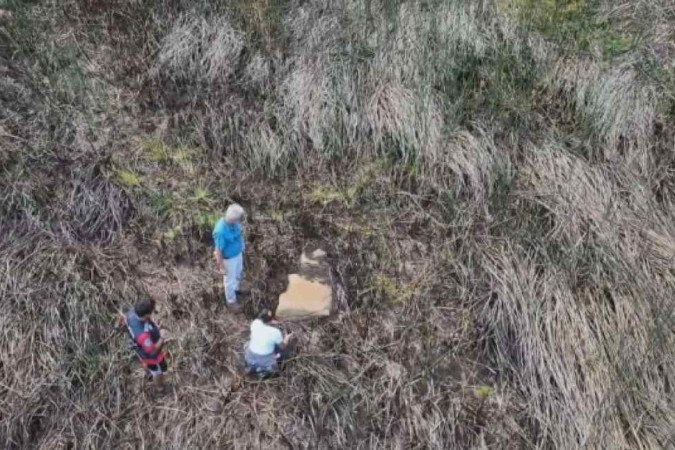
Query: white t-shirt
[{"x": 264, "y": 338}]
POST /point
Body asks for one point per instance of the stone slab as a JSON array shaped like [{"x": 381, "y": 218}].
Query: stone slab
[{"x": 309, "y": 293}]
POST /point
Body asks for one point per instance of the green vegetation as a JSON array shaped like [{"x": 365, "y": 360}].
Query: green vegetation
[
  {"x": 156, "y": 150},
  {"x": 576, "y": 25},
  {"x": 483, "y": 392},
  {"x": 492, "y": 180},
  {"x": 127, "y": 178}
]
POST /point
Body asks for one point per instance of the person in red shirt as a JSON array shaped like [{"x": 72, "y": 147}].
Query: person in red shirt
[{"x": 146, "y": 338}]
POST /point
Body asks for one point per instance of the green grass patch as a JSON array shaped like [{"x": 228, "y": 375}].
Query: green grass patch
[
  {"x": 207, "y": 219},
  {"x": 354, "y": 190},
  {"x": 498, "y": 84},
  {"x": 173, "y": 233},
  {"x": 614, "y": 44},
  {"x": 574, "y": 24},
  {"x": 278, "y": 216},
  {"x": 127, "y": 177},
  {"x": 327, "y": 194},
  {"x": 182, "y": 157},
  {"x": 156, "y": 150},
  {"x": 183, "y": 208},
  {"x": 161, "y": 203},
  {"x": 392, "y": 289},
  {"x": 483, "y": 392},
  {"x": 200, "y": 196}
]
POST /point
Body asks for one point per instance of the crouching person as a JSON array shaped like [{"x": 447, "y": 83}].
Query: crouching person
[
  {"x": 267, "y": 346},
  {"x": 146, "y": 339}
]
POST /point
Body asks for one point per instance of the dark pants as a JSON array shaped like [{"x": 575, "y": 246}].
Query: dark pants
[
  {"x": 286, "y": 352},
  {"x": 266, "y": 365},
  {"x": 157, "y": 369}
]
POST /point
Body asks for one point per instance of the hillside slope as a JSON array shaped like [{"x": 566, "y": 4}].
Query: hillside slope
[{"x": 493, "y": 181}]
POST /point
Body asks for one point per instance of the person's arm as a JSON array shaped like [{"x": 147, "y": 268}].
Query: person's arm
[
  {"x": 217, "y": 254},
  {"x": 121, "y": 319},
  {"x": 287, "y": 339},
  {"x": 242, "y": 238},
  {"x": 217, "y": 245},
  {"x": 283, "y": 343}
]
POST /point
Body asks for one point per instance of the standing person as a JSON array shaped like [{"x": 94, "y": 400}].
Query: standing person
[
  {"x": 146, "y": 338},
  {"x": 228, "y": 243},
  {"x": 266, "y": 347}
]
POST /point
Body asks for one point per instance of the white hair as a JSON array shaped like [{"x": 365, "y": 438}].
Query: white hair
[{"x": 234, "y": 213}]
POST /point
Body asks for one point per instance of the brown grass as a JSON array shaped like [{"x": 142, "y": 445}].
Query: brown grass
[{"x": 495, "y": 197}]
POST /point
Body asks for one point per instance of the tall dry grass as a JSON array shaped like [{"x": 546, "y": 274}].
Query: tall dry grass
[{"x": 495, "y": 195}]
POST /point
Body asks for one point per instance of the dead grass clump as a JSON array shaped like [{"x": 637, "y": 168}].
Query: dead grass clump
[
  {"x": 392, "y": 115},
  {"x": 96, "y": 210},
  {"x": 54, "y": 349},
  {"x": 468, "y": 163},
  {"x": 310, "y": 105},
  {"x": 579, "y": 195},
  {"x": 572, "y": 373},
  {"x": 199, "y": 49},
  {"x": 257, "y": 72},
  {"x": 265, "y": 150},
  {"x": 621, "y": 108},
  {"x": 585, "y": 205},
  {"x": 318, "y": 94}
]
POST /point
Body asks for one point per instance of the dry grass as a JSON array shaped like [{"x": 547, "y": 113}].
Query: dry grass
[
  {"x": 199, "y": 48},
  {"x": 581, "y": 383},
  {"x": 620, "y": 107},
  {"x": 495, "y": 195}
]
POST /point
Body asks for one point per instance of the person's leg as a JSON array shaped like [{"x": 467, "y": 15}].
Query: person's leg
[
  {"x": 230, "y": 281},
  {"x": 225, "y": 278},
  {"x": 153, "y": 371},
  {"x": 238, "y": 270},
  {"x": 148, "y": 373},
  {"x": 157, "y": 371},
  {"x": 161, "y": 373},
  {"x": 249, "y": 360}
]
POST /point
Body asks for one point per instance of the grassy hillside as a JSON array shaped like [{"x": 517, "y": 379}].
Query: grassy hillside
[{"x": 493, "y": 181}]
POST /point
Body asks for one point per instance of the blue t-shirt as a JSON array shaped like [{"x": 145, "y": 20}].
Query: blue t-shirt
[{"x": 227, "y": 238}]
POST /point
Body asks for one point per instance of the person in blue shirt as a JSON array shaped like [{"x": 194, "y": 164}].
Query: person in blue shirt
[{"x": 228, "y": 242}]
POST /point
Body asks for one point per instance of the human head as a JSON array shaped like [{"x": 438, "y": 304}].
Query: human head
[
  {"x": 265, "y": 315},
  {"x": 145, "y": 308},
  {"x": 234, "y": 213}
]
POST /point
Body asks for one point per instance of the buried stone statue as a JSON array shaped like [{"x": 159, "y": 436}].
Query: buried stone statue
[{"x": 309, "y": 293}]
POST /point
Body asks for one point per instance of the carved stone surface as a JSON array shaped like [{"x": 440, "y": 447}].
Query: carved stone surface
[{"x": 309, "y": 293}]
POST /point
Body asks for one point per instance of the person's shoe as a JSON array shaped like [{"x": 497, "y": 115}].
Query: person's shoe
[{"x": 234, "y": 307}]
